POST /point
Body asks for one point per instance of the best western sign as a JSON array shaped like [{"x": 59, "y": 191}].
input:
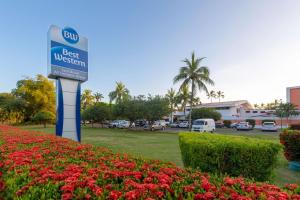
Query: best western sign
[{"x": 67, "y": 54}]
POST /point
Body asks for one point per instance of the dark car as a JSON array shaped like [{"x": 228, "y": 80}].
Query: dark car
[
  {"x": 140, "y": 123},
  {"x": 219, "y": 125}
]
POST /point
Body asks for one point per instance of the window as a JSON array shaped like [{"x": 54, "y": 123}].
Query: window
[
  {"x": 262, "y": 111},
  {"x": 222, "y": 108},
  {"x": 254, "y": 111},
  {"x": 247, "y": 111}
]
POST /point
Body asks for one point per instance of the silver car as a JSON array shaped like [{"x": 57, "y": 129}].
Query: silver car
[
  {"x": 157, "y": 125},
  {"x": 244, "y": 126},
  {"x": 269, "y": 126}
]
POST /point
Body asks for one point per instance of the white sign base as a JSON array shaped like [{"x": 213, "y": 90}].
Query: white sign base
[{"x": 68, "y": 109}]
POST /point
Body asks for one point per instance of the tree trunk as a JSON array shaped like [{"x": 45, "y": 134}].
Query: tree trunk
[
  {"x": 191, "y": 106},
  {"x": 172, "y": 114},
  {"x": 44, "y": 124}
]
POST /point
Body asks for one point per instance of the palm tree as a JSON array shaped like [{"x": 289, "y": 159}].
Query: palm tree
[
  {"x": 98, "y": 96},
  {"x": 196, "y": 101},
  {"x": 195, "y": 76},
  {"x": 119, "y": 94},
  {"x": 262, "y": 106},
  {"x": 172, "y": 98},
  {"x": 220, "y": 95},
  {"x": 87, "y": 98},
  {"x": 256, "y": 106},
  {"x": 210, "y": 95},
  {"x": 183, "y": 97}
]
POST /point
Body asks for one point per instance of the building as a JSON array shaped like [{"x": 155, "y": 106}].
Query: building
[
  {"x": 241, "y": 110},
  {"x": 230, "y": 110},
  {"x": 293, "y": 95}
]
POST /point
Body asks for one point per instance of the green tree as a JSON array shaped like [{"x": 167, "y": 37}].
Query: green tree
[
  {"x": 195, "y": 75},
  {"x": 183, "y": 97},
  {"x": 98, "y": 96},
  {"x": 286, "y": 110},
  {"x": 44, "y": 117},
  {"x": 87, "y": 99},
  {"x": 156, "y": 107},
  {"x": 97, "y": 113},
  {"x": 173, "y": 99},
  {"x": 120, "y": 93},
  {"x": 38, "y": 94},
  {"x": 131, "y": 109},
  {"x": 211, "y": 95},
  {"x": 220, "y": 95},
  {"x": 202, "y": 113}
]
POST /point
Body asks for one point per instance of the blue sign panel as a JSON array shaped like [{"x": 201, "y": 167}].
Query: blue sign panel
[
  {"x": 68, "y": 57},
  {"x": 67, "y": 54}
]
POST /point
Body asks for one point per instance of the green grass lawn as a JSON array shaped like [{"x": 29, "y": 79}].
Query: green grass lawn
[{"x": 164, "y": 146}]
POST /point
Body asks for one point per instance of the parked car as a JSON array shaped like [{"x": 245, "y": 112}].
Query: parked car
[
  {"x": 140, "y": 122},
  {"x": 114, "y": 124},
  {"x": 269, "y": 126},
  {"x": 157, "y": 125},
  {"x": 167, "y": 122},
  {"x": 174, "y": 125},
  {"x": 219, "y": 125},
  {"x": 204, "y": 125},
  {"x": 184, "y": 124},
  {"x": 244, "y": 126},
  {"x": 234, "y": 125},
  {"x": 123, "y": 124}
]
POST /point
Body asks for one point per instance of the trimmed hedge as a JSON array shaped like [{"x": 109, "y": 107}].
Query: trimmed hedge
[
  {"x": 291, "y": 141},
  {"x": 233, "y": 155}
]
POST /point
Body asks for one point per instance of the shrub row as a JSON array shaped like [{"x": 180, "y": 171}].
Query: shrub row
[
  {"x": 295, "y": 127},
  {"x": 233, "y": 155},
  {"x": 291, "y": 141}
]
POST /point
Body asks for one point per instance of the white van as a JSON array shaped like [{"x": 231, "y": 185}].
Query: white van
[{"x": 204, "y": 125}]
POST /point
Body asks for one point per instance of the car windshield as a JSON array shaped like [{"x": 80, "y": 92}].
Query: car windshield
[
  {"x": 269, "y": 123},
  {"x": 198, "y": 122}
]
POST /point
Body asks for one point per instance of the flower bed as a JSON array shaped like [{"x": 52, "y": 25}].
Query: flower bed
[{"x": 35, "y": 165}]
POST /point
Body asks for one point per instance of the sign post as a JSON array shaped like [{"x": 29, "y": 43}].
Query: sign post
[{"x": 68, "y": 64}]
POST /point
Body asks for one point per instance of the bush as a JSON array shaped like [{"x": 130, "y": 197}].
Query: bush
[
  {"x": 291, "y": 141},
  {"x": 201, "y": 113},
  {"x": 295, "y": 126},
  {"x": 251, "y": 122},
  {"x": 227, "y": 123},
  {"x": 233, "y": 155},
  {"x": 44, "y": 117}
]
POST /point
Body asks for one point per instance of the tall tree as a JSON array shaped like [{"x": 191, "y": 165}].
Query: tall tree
[
  {"x": 211, "y": 95},
  {"x": 286, "y": 110},
  {"x": 220, "y": 95},
  {"x": 87, "y": 99},
  {"x": 38, "y": 94},
  {"x": 195, "y": 76},
  {"x": 98, "y": 96},
  {"x": 172, "y": 98},
  {"x": 120, "y": 93}
]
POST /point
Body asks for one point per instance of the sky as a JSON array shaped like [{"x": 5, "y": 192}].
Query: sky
[{"x": 252, "y": 47}]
